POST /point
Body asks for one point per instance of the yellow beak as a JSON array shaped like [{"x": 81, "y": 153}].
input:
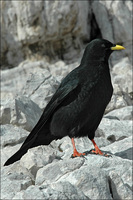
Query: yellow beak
[{"x": 117, "y": 47}]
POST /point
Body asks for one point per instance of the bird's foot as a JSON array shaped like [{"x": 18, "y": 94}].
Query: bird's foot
[
  {"x": 99, "y": 152},
  {"x": 77, "y": 154}
]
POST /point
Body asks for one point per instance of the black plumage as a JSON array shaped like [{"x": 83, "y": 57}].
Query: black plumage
[{"x": 78, "y": 105}]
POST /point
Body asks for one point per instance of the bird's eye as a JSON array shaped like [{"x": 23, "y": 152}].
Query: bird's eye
[{"x": 103, "y": 45}]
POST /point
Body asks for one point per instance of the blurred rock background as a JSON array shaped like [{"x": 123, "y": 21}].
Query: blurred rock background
[
  {"x": 35, "y": 30},
  {"x": 41, "y": 42}
]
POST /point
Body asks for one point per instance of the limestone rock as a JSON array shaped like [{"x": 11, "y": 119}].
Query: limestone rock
[
  {"x": 13, "y": 80},
  {"x": 11, "y": 140},
  {"x": 14, "y": 179},
  {"x": 36, "y": 33},
  {"x": 60, "y": 190},
  {"x": 122, "y": 148},
  {"x": 116, "y": 130},
  {"x": 12, "y": 135},
  {"x": 60, "y": 68},
  {"x": 125, "y": 113},
  {"x": 38, "y": 157},
  {"x": 122, "y": 74},
  {"x": 63, "y": 33},
  {"x": 113, "y": 23},
  {"x": 46, "y": 175},
  {"x": 40, "y": 87},
  {"x": 21, "y": 111},
  {"x": 119, "y": 99},
  {"x": 66, "y": 178},
  {"x": 32, "y": 41}
]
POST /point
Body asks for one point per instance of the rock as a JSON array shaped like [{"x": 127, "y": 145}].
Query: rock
[
  {"x": 119, "y": 99},
  {"x": 122, "y": 148},
  {"x": 113, "y": 23},
  {"x": 64, "y": 33},
  {"x": 38, "y": 157},
  {"x": 124, "y": 113},
  {"x": 115, "y": 130},
  {"x": 12, "y": 135},
  {"x": 14, "y": 179},
  {"x": 51, "y": 173},
  {"x": 8, "y": 111},
  {"x": 60, "y": 168},
  {"x": 32, "y": 41},
  {"x": 32, "y": 192},
  {"x": 122, "y": 74},
  {"x": 120, "y": 190},
  {"x": 60, "y": 68},
  {"x": 13, "y": 80},
  {"x": 40, "y": 87},
  {"x": 61, "y": 190},
  {"x": 20, "y": 111},
  {"x": 35, "y": 33},
  {"x": 28, "y": 113},
  {"x": 11, "y": 140},
  {"x": 93, "y": 177},
  {"x": 8, "y": 151}
]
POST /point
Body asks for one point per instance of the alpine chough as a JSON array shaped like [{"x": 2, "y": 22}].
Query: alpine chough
[{"x": 77, "y": 107}]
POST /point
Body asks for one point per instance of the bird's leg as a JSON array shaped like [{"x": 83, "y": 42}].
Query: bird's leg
[
  {"x": 75, "y": 152},
  {"x": 97, "y": 150}
]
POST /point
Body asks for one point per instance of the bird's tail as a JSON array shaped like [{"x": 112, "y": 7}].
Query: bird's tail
[
  {"x": 35, "y": 141},
  {"x": 24, "y": 148}
]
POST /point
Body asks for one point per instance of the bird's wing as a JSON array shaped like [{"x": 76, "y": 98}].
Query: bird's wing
[{"x": 60, "y": 95}]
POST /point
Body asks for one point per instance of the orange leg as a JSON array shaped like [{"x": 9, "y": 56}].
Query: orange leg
[
  {"x": 97, "y": 150},
  {"x": 75, "y": 152}
]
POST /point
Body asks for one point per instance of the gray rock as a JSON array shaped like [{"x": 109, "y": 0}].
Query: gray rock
[
  {"x": 40, "y": 87},
  {"x": 11, "y": 140},
  {"x": 32, "y": 192},
  {"x": 60, "y": 190},
  {"x": 55, "y": 171},
  {"x": 8, "y": 111},
  {"x": 35, "y": 33},
  {"x": 20, "y": 111},
  {"x": 125, "y": 113},
  {"x": 113, "y": 23},
  {"x": 116, "y": 130},
  {"x": 8, "y": 151},
  {"x": 93, "y": 177},
  {"x": 14, "y": 179},
  {"x": 28, "y": 112},
  {"x": 13, "y": 80},
  {"x": 119, "y": 189},
  {"x": 12, "y": 135},
  {"x": 122, "y": 74},
  {"x": 60, "y": 68},
  {"x": 119, "y": 99},
  {"x": 38, "y": 157},
  {"x": 122, "y": 148}
]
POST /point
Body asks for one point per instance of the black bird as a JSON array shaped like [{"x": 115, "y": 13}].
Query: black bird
[{"x": 78, "y": 105}]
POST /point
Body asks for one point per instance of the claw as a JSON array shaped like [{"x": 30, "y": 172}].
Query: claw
[
  {"x": 77, "y": 154},
  {"x": 96, "y": 152}
]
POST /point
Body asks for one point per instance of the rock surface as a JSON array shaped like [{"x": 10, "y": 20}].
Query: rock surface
[
  {"x": 49, "y": 172},
  {"x": 63, "y": 33},
  {"x": 36, "y": 33},
  {"x": 32, "y": 41}
]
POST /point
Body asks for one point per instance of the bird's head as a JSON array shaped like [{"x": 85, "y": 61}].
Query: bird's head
[{"x": 99, "y": 49}]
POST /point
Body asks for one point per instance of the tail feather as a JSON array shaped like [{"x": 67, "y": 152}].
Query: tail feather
[{"x": 35, "y": 141}]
